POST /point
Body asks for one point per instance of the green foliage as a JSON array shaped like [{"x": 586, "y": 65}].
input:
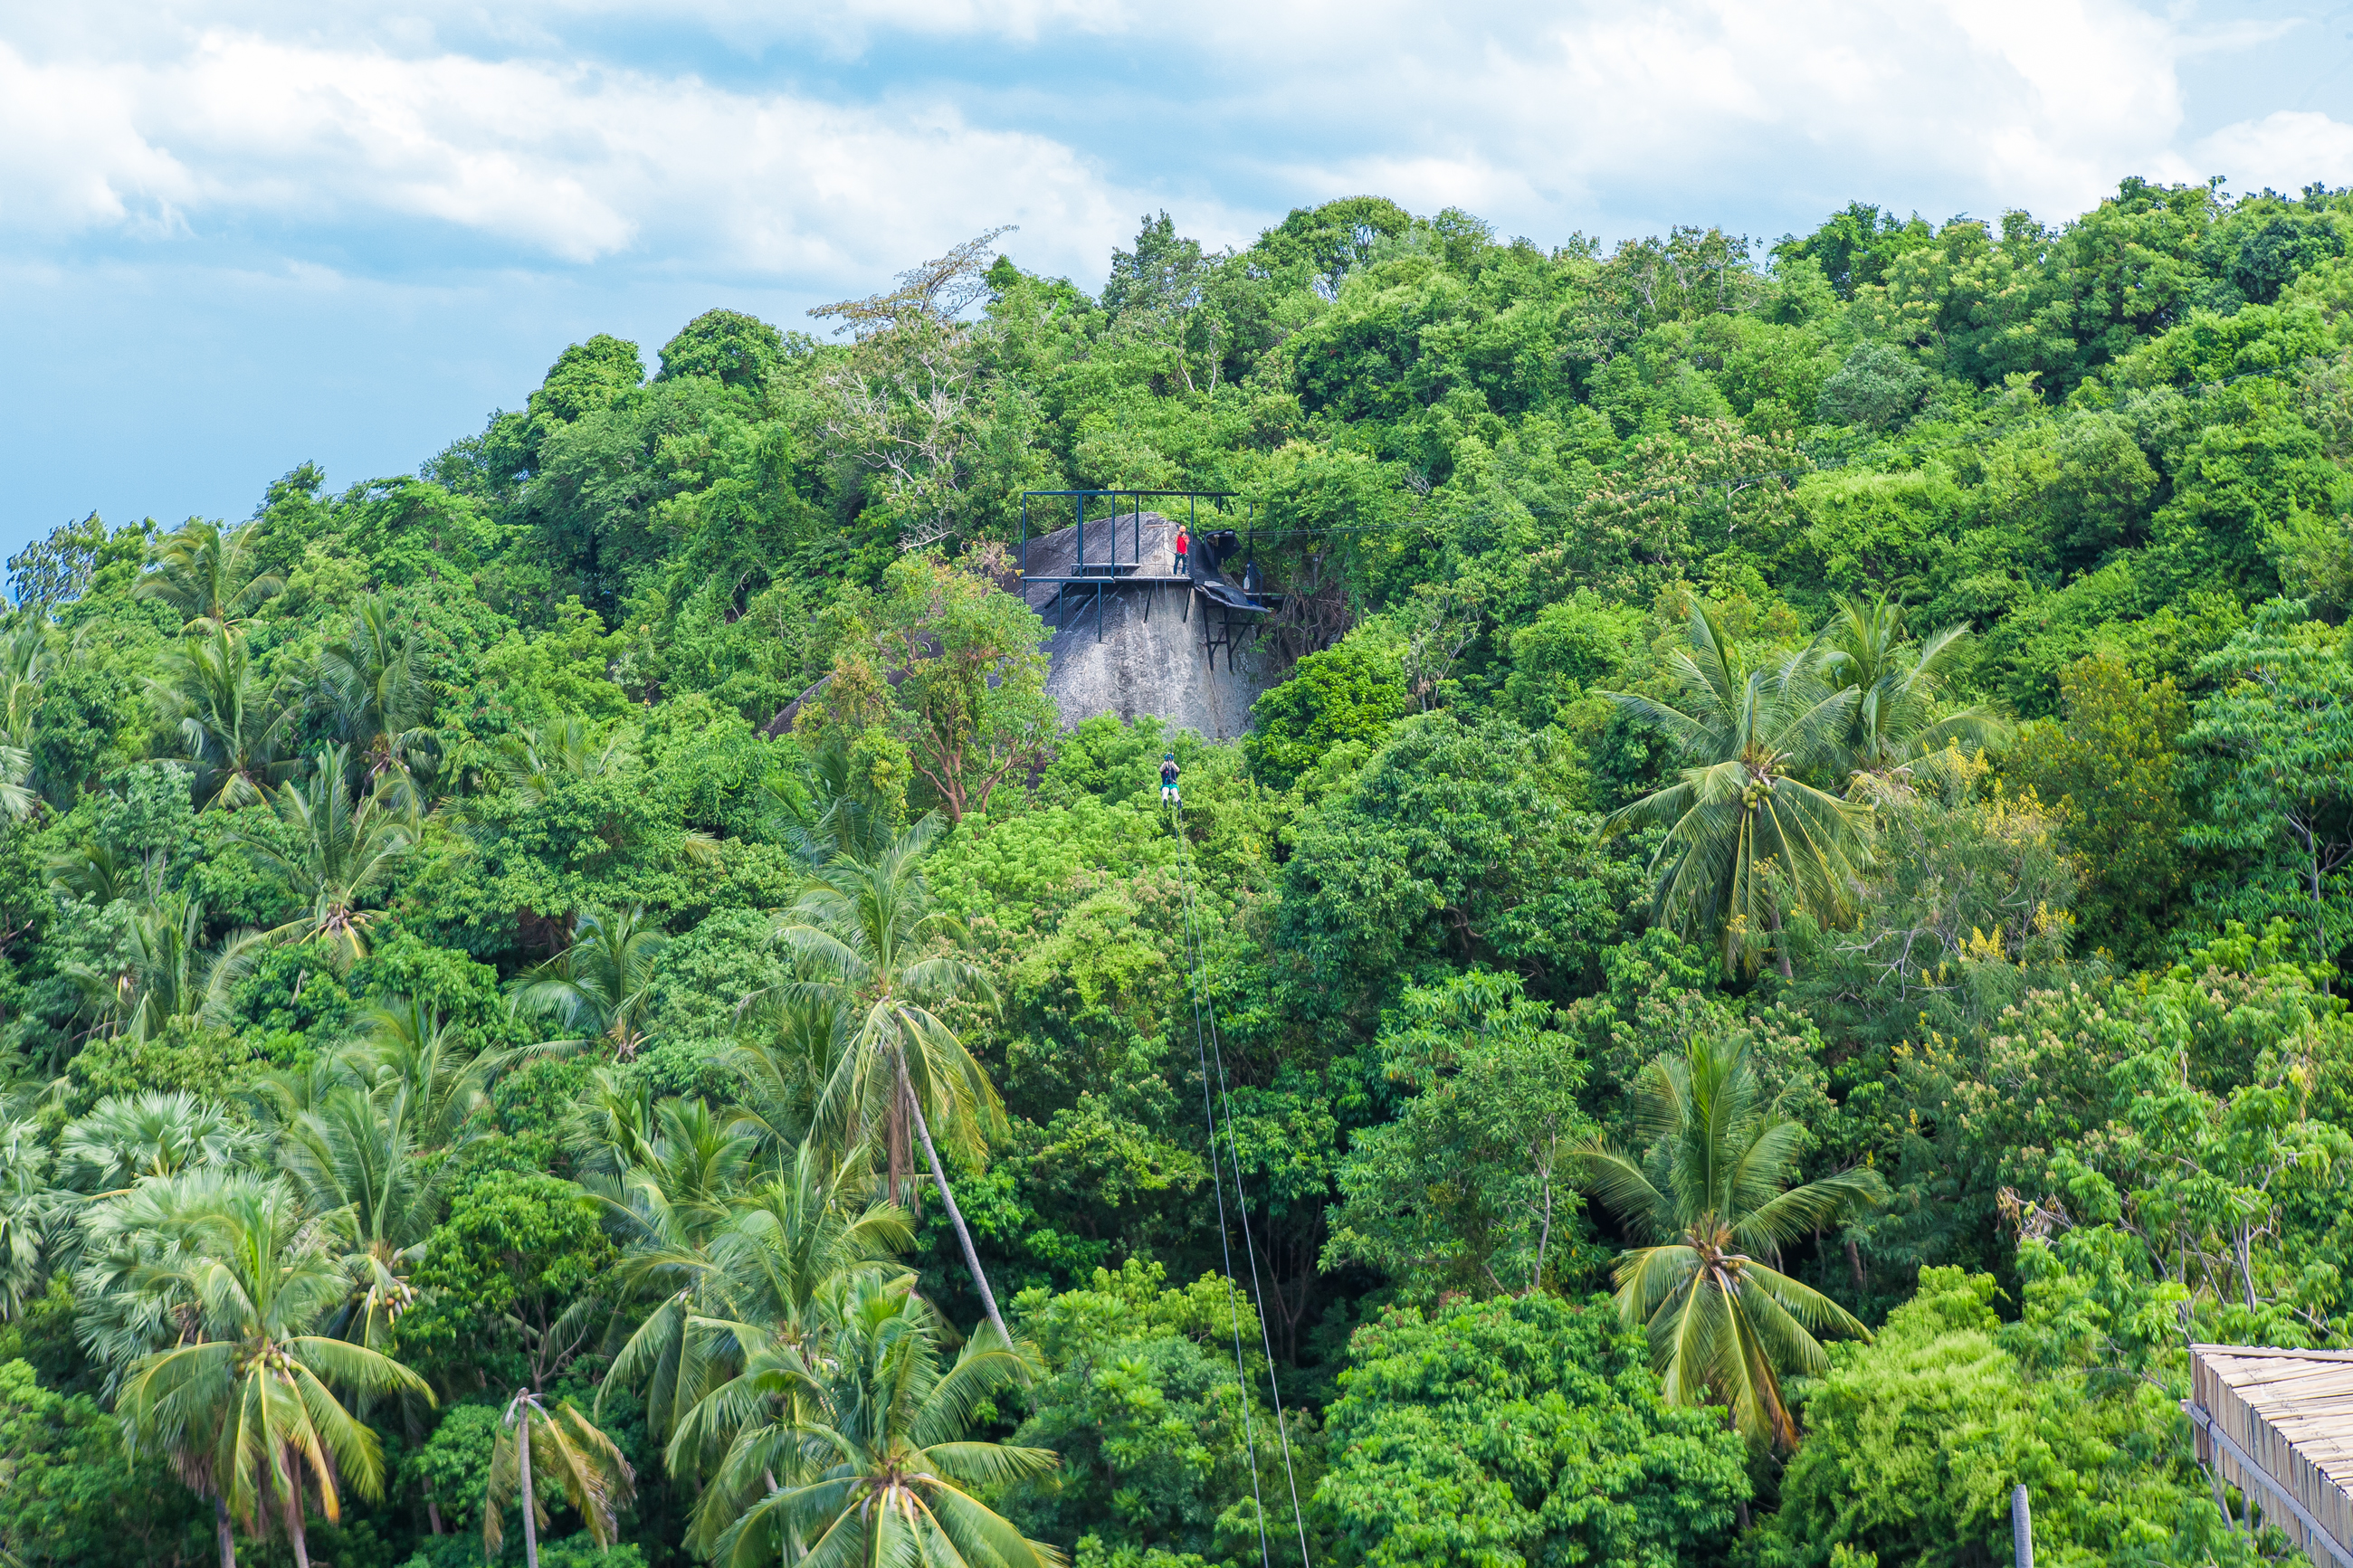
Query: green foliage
[
  {"x": 1471, "y": 1189},
  {"x": 1352, "y": 692},
  {"x": 1140, "y": 1399},
  {"x": 2272, "y": 759},
  {"x": 1916, "y": 1441},
  {"x": 1522, "y": 1430},
  {"x": 1459, "y": 841},
  {"x": 2110, "y": 769},
  {"x": 520, "y": 1250},
  {"x": 1712, "y": 1197},
  {"x": 68, "y": 1494},
  {"x": 603, "y": 699}
]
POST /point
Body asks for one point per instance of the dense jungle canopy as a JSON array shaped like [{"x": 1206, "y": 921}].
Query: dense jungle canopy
[{"x": 1772, "y": 955}]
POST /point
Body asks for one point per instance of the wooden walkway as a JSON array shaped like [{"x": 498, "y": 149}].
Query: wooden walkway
[{"x": 2278, "y": 1426}]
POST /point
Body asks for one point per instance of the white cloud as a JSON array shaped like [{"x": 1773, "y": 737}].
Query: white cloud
[
  {"x": 1589, "y": 113},
  {"x": 2284, "y": 150},
  {"x": 569, "y": 160},
  {"x": 1678, "y": 111}
]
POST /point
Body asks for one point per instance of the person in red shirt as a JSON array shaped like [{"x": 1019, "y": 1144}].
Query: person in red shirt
[{"x": 1181, "y": 545}]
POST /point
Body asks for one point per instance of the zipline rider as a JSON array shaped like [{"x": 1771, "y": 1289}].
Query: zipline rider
[{"x": 1168, "y": 771}]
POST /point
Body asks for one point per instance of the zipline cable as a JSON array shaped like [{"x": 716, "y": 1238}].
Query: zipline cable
[
  {"x": 1233, "y": 1149},
  {"x": 1225, "y": 1235}
]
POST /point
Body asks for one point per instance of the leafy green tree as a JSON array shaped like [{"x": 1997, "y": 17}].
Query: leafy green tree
[
  {"x": 1521, "y": 1430},
  {"x": 1461, "y": 842},
  {"x": 451, "y": 1469},
  {"x": 562, "y": 1448},
  {"x": 1711, "y": 1190},
  {"x": 729, "y": 346},
  {"x": 1747, "y": 839},
  {"x": 1472, "y": 1187},
  {"x": 1351, "y": 693},
  {"x": 51, "y": 572},
  {"x": 585, "y": 377},
  {"x": 73, "y": 1497},
  {"x": 1141, "y": 1398},
  {"x": 969, "y": 679},
  {"x": 1916, "y": 1441},
  {"x": 864, "y": 929},
  {"x": 892, "y": 1476},
  {"x": 2111, "y": 769},
  {"x": 600, "y": 988},
  {"x": 510, "y": 1281},
  {"x": 332, "y": 851},
  {"x": 248, "y": 1411},
  {"x": 2271, "y": 759}
]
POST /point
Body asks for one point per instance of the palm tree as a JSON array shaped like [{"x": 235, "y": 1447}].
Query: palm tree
[
  {"x": 168, "y": 976},
  {"x": 245, "y": 1403},
  {"x": 563, "y": 1446},
  {"x": 787, "y": 1258},
  {"x": 533, "y": 764},
  {"x": 354, "y": 1162},
  {"x": 784, "y": 1064},
  {"x": 861, "y": 930},
  {"x": 379, "y": 702},
  {"x": 132, "y": 1137},
  {"x": 888, "y": 1477},
  {"x": 1711, "y": 1195},
  {"x": 17, "y": 798},
  {"x": 407, "y": 1048},
  {"x": 672, "y": 1172},
  {"x": 332, "y": 851},
  {"x": 824, "y": 807},
  {"x": 224, "y": 717},
  {"x": 125, "y": 1243},
  {"x": 794, "y": 1237},
  {"x": 211, "y": 576},
  {"x": 1900, "y": 732},
  {"x": 752, "y": 1284},
  {"x": 26, "y": 1210},
  {"x": 598, "y": 989},
  {"x": 26, "y": 657},
  {"x": 103, "y": 873},
  {"x": 1746, "y": 836}
]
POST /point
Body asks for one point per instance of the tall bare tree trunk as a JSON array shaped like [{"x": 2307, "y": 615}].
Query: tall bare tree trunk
[
  {"x": 947, "y": 1200},
  {"x": 529, "y": 1510},
  {"x": 227, "y": 1537},
  {"x": 295, "y": 1536}
]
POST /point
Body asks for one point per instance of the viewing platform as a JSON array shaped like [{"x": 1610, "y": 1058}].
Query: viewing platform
[{"x": 1099, "y": 580}]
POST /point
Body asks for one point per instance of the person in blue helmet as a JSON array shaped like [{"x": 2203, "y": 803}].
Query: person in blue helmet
[{"x": 1168, "y": 771}]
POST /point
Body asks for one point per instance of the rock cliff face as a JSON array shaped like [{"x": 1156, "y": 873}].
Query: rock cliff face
[{"x": 1149, "y": 657}]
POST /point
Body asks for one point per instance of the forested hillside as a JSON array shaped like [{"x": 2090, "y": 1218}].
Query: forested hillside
[{"x": 1807, "y": 805}]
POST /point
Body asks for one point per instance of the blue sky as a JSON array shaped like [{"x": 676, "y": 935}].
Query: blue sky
[{"x": 237, "y": 236}]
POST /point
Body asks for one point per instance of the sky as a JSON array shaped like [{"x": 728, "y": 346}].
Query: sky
[{"x": 241, "y": 235}]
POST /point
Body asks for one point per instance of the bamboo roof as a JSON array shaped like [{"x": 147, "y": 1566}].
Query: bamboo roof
[{"x": 2278, "y": 1425}]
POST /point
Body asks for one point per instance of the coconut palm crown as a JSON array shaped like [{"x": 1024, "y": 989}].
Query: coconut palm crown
[
  {"x": 1748, "y": 839},
  {"x": 1710, "y": 1198}
]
